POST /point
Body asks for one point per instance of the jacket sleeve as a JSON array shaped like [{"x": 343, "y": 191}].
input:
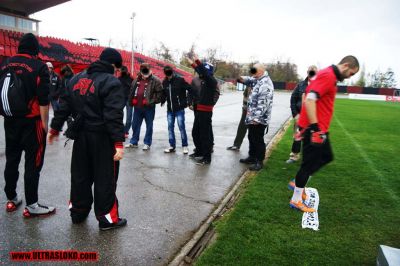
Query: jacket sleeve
[
  {"x": 43, "y": 88},
  {"x": 294, "y": 98},
  {"x": 190, "y": 94},
  {"x": 132, "y": 91},
  {"x": 210, "y": 81},
  {"x": 164, "y": 94},
  {"x": 64, "y": 111},
  {"x": 248, "y": 81},
  {"x": 157, "y": 91},
  {"x": 113, "y": 106}
]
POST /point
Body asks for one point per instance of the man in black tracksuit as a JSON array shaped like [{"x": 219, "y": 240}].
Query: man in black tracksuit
[
  {"x": 27, "y": 132},
  {"x": 202, "y": 126},
  {"x": 97, "y": 97},
  {"x": 296, "y": 101}
]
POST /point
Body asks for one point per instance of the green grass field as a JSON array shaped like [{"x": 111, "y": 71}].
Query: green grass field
[{"x": 359, "y": 199}]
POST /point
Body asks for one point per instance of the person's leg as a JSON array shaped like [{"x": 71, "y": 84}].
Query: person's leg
[
  {"x": 180, "y": 116},
  {"x": 205, "y": 136},
  {"x": 34, "y": 145},
  {"x": 149, "y": 118},
  {"x": 259, "y": 144},
  {"x": 196, "y": 133},
  {"x": 105, "y": 174},
  {"x": 128, "y": 121},
  {"x": 171, "y": 126},
  {"x": 241, "y": 131},
  {"x": 138, "y": 115},
  {"x": 252, "y": 140},
  {"x": 13, "y": 156},
  {"x": 81, "y": 197}
]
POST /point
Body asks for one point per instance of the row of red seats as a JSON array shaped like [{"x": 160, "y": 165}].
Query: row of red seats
[{"x": 64, "y": 51}]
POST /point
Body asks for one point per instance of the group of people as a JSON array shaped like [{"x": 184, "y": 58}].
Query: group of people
[{"x": 92, "y": 102}]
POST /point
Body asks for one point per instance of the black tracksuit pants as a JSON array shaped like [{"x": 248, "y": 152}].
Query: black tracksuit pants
[
  {"x": 256, "y": 142},
  {"x": 314, "y": 157},
  {"x": 92, "y": 163},
  {"x": 28, "y": 135},
  {"x": 202, "y": 133},
  {"x": 241, "y": 130},
  {"x": 296, "y": 146}
]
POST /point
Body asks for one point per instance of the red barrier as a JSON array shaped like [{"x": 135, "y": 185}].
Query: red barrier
[
  {"x": 354, "y": 89},
  {"x": 386, "y": 91},
  {"x": 290, "y": 86}
]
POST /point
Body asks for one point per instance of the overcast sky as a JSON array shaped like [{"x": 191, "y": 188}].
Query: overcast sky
[{"x": 305, "y": 32}]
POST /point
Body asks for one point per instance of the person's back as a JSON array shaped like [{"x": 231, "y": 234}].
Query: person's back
[
  {"x": 27, "y": 132},
  {"x": 96, "y": 99}
]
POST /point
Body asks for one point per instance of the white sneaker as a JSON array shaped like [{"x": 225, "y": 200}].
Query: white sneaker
[
  {"x": 146, "y": 147},
  {"x": 169, "y": 150},
  {"x": 185, "y": 150},
  {"x": 130, "y": 145},
  {"x": 37, "y": 210}
]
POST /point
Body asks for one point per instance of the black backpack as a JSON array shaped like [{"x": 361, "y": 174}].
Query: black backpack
[{"x": 14, "y": 96}]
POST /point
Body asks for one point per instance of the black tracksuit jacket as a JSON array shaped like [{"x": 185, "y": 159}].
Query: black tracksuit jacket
[{"x": 105, "y": 102}]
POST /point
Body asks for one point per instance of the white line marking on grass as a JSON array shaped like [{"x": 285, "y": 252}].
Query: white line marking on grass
[{"x": 366, "y": 158}]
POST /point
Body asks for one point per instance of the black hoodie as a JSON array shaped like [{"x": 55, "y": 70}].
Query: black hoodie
[{"x": 105, "y": 101}]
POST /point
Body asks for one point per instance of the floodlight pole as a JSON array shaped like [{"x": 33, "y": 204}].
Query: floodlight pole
[{"x": 133, "y": 49}]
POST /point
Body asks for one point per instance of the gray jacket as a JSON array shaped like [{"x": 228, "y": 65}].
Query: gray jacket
[{"x": 259, "y": 105}]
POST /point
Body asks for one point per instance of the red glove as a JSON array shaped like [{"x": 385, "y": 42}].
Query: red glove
[
  {"x": 144, "y": 102},
  {"x": 318, "y": 137},
  {"x": 134, "y": 101},
  {"x": 299, "y": 134}
]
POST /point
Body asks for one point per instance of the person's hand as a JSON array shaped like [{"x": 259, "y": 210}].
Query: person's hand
[
  {"x": 318, "y": 137},
  {"x": 51, "y": 138},
  {"x": 254, "y": 123},
  {"x": 191, "y": 107},
  {"x": 240, "y": 80},
  {"x": 119, "y": 154},
  {"x": 195, "y": 57},
  {"x": 296, "y": 117},
  {"x": 299, "y": 133}
]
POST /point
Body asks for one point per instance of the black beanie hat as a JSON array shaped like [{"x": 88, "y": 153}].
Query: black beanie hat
[
  {"x": 28, "y": 45},
  {"x": 111, "y": 56}
]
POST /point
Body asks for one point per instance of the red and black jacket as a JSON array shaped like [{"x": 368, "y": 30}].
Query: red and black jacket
[
  {"x": 35, "y": 76},
  {"x": 209, "y": 87},
  {"x": 103, "y": 110}
]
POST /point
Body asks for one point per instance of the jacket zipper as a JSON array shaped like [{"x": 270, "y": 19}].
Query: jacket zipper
[{"x": 170, "y": 96}]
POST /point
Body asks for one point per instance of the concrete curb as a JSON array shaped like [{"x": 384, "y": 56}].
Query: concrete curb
[{"x": 205, "y": 233}]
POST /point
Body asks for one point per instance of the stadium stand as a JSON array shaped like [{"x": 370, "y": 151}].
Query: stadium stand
[{"x": 78, "y": 55}]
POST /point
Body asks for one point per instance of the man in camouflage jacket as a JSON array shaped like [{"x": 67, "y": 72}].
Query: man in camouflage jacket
[{"x": 258, "y": 114}]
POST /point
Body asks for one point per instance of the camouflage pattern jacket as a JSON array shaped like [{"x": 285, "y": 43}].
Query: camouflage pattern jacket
[{"x": 259, "y": 105}]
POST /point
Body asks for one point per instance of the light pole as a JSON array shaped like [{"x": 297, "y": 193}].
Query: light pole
[
  {"x": 91, "y": 40},
  {"x": 133, "y": 49}
]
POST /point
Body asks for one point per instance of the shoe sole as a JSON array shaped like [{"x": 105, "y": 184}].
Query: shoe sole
[
  {"x": 169, "y": 151},
  {"x": 113, "y": 227},
  {"x": 296, "y": 208},
  {"x": 28, "y": 215}
]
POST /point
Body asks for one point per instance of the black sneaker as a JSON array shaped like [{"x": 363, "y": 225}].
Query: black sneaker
[
  {"x": 248, "y": 160},
  {"x": 203, "y": 161},
  {"x": 194, "y": 155},
  {"x": 78, "y": 218},
  {"x": 107, "y": 226},
  {"x": 256, "y": 167}
]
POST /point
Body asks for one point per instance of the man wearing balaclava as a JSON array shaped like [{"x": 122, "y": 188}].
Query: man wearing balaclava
[
  {"x": 145, "y": 94},
  {"x": 258, "y": 115},
  {"x": 296, "y": 101},
  {"x": 26, "y": 128},
  {"x": 95, "y": 98}
]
